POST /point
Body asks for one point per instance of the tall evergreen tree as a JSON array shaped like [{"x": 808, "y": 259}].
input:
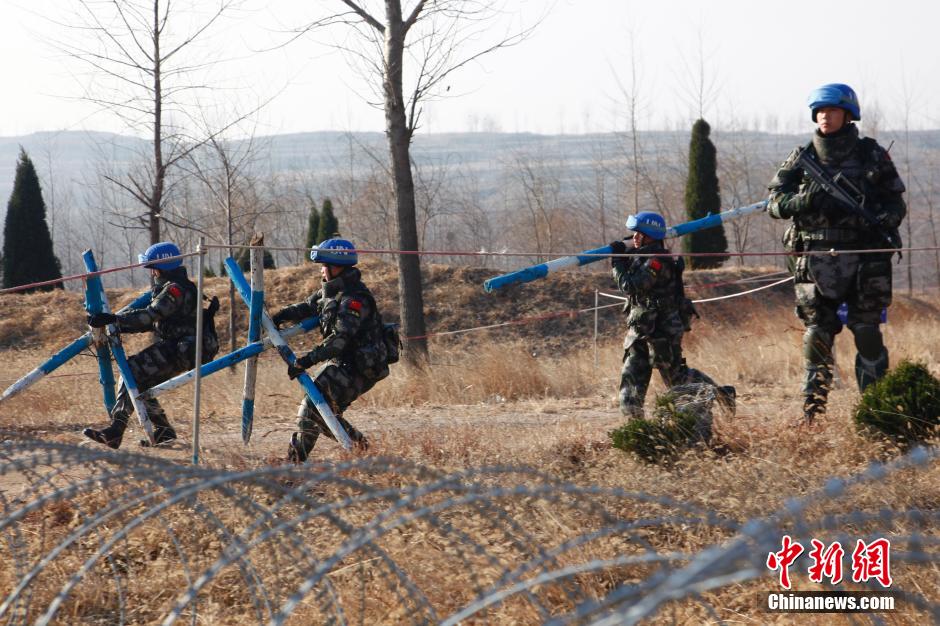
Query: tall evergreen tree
[
  {"x": 329, "y": 225},
  {"x": 702, "y": 196},
  {"x": 28, "y": 256},
  {"x": 313, "y": 228}
]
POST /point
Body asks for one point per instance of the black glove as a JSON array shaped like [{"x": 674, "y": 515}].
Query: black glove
[
  {"x": 100, "y": 320},
  {"x": 299, "y": 365},
  {"x": 618, "y": 247},
  {"x": 279, "y": 318}
]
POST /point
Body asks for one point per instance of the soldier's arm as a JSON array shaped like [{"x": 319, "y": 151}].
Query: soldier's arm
[
  {"x": 166, "y": 303},
  {"x": 349, "y": 315},
  {"x": 300, "y": 310},
  {"x": 885, "y": 201},
  {"x": 784, "y": 189},
  {"x": 640, "y": 278}
]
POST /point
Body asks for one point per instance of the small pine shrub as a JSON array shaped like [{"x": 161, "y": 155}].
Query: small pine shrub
[
  {"x": 904, "y": 405},
  {"x": 660, "y": 439}
]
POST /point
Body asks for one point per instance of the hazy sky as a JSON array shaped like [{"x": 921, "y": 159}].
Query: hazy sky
[{"x": 761, "y": 57}]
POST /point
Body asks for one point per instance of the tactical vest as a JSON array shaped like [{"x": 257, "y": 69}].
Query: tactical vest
[
  {"x": 837, "y": 227},
  {"x": 367, "y": 352},
  {"x": 182, "y": 322}
]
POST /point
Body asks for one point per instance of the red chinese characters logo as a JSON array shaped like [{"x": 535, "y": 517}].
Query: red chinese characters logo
[
  {"x": 826, "y": 563},
  {"x": 783, "y": 559},
  {"x": 869, "y": 561},
  {"x": 872, "y": 561}
]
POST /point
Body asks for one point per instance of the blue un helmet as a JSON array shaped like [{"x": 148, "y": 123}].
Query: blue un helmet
[
  {"x": 335, "y": 252},
  {"x": 162, "y": 250},
  {"x": 834, "y": 95},
  {"x": 649, "y": 223}
]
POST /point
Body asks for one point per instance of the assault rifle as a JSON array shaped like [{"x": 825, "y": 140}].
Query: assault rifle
[{"x": 843, "y": 190}]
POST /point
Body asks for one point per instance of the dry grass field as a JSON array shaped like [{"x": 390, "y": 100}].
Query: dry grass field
[{"x": 528, "y": 395}]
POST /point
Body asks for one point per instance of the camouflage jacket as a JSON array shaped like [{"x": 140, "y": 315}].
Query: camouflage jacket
[
  {"x": 350, "y": 323},
  {"x": 171, "y": 313},
  {"x": 653, "y": 285},
  {"x": 861, "y": 161}
]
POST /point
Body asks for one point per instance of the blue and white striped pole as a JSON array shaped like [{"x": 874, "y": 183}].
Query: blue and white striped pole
[
  {"x": 241, "y": 285},
  {"x": 230, "y": 359},
  {"x": 95, "y": 304},
  {"x": 93, "y": 284},
  {"x": 542, "y": 270},
  {"x": 63, "y": 356},
  {"x": 255, "y": 308}
]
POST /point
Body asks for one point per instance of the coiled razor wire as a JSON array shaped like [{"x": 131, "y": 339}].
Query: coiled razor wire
[{"x": 93, "y": 536}]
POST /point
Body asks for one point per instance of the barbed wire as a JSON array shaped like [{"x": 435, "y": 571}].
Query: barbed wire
[{"x": 91, "y": 535}]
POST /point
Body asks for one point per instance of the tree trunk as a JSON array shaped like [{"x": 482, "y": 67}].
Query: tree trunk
[
  {"x": 399, "y": 144},
  {"x": 159, "y": 174}
]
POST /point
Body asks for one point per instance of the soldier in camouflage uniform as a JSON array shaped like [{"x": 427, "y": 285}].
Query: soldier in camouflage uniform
[
  {"x": 353, "y": 352},
  {"x": 658, "y": 313},
  {"x": 171, "y": 315},
  {"x": 821, "y": 222}
]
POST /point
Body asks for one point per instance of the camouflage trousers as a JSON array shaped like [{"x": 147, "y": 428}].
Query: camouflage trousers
[
  {"x": 640, "y": 357},
  {"x": 822, "y": 284},
  {"x": 151, "y": 366},
  {"x": 340, "y": 385}
]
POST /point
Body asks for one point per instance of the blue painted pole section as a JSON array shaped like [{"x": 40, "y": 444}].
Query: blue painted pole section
[
  {"x": 254, "y": 334},
  {"x": 241, "y": 285},
  {"x": 230, "y": 359},
  {"x": 528, "y": 274},
  {"x": 94, "y": 304},
  {"x": 61, "y": 357},
  {"x": 95, "y": 292}
]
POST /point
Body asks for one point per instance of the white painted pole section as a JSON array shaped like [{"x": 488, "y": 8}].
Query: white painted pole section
[{"x": 197, "y": 382}]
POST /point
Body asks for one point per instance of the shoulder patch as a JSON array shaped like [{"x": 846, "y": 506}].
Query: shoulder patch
[
  {"x": 175, "y": 291},
  {"x": 656, "y": 264},
  {"x": 355, "y": 305}
]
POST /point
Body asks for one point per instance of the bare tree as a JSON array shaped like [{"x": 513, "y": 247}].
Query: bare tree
[
  {"x": 225, "y": 171},
  {"x": 435, "y": 38},
  {"x": 148, "y": 64}
]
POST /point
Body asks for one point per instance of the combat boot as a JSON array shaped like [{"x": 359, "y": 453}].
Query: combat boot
[
  {"x": 360, "y": 443},
  {"x": 300, "y": 447},
  {"x": 161, "y": 434},
  {"x": 110, "y": 436}
]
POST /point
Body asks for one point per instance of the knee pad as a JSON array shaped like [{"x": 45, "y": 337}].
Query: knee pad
[
  {"x": 868, "y": 341},
  {"x": 868, "y": 371},
  {"x": 817, "y": 345}
]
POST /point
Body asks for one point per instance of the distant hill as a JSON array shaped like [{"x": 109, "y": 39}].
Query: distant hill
[{"x": 75, "y": 156}]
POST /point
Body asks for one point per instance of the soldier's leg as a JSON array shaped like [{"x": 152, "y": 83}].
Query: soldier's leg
[
  {"x": 339, "y": 389},
  {"x": 871, "y": 360},
  {"x": 872, "y": 295},
  {"x": 113, "y": 434},
  {"x": 151, "y": 366},
  {"x": 819, "y": 316},
  {"x": 303, "y": 441},
  {"x": 635, "y": 378}
]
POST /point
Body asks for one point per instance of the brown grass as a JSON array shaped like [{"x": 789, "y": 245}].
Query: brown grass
[{"x": 496, "y": 398}]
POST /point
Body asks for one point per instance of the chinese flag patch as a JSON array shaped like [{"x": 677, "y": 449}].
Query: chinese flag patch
[
  {"x": 355, "y": 305},
  {"x": 175, "y": 291},
  {"x": 656, "y": 265}
]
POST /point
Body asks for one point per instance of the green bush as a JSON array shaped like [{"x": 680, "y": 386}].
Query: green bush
[
  {"x": 660, "y": 439},
  {"x": 904, "y": 405}
]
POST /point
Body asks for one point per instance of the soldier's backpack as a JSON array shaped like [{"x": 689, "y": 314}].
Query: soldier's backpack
[{"x": 392, "y": 342}]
